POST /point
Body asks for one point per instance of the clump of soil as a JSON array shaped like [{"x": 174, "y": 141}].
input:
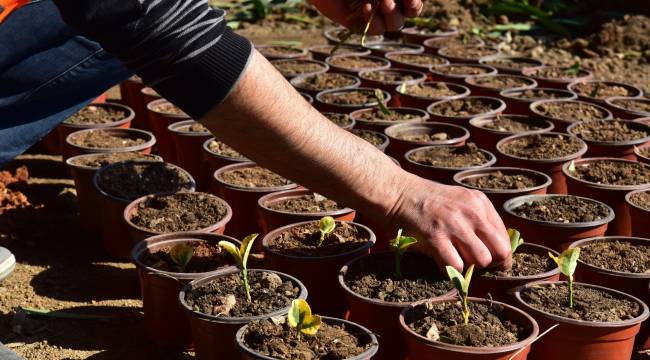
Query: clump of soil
[
  {"x": 462, "y": 70},
  {"x": 588, "y": 304},
  {"x": 629, "y": 34},
  {"x": 221, "y": 148},
  {"x": 558, "y": 73},
  {"x": 9, "y": 198},
  {"x": 638, "y": 105},
  {"x": 514, "y": 63},
  {"x": 357, "y": 62},
  {"x": 466, "y": 156},
  {"x": 165, "y": 107},
  {"x": 132, "y": 180},
  {"x": 102, "y": 159},
  {"x": 600, "y": 90},
  {"x": 501, "y": 181},
  {"x": 641, "y": 199},
  {"x": 562, "y": 209},
  {"x": 501, "y": 82},
  {"x": 608, "y": 130},
  {"x": 373, "y": 277},
  {"x": 107, "y": 139},
  {"x": 195, "y": 127},
  {"x": 543, "y": 146},
  {"x": 280, "y": 51},
  {"x": 92, "y": 115},
  {"x": 303, "y": 240},
  {"x": 253, "y": 177},
  {"x": 280, "y": 341},
  {"x": 571, "y": 111},
  {"x": 464, "y": 107},
  {"x": 305, "y": 204},
  {"x": 396, "y": 115},
  {"x": 269, "y": 293},
  {"x": 205, "y": 257},
  {"x": 525, "y": 264},
  {"x": 179, "y": 212},
  {"x": 487, "y": 326},
  {"x": 369, "y": 136},
  {"x": 424, "y": 60},
  {"x": 540, "y": 94},
  {"x": 432, "y": 90},
  {"x": 617, "y": 255},
  {"x": 342, "y": 120},
  {"x": 387, "y": 76},
  {"x": 511, "y": 124},
  {"x": 297, "y": 67},
  {"x": 325, "y": 81},
  {"x": 424, "y": 138},
  {"x": 612, "y": 172},
  {"x": 350, "y": 97},
  {"x": 469, "y": 52}
]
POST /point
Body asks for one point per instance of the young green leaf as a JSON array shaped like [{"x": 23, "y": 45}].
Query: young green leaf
[
  {"x": 181, "y": 255},
  {"x": 567, "y": 263},
  {"x": 461, "y": 283},
  {"x": 515, "y": 240},
  {"x": 594, "y": 92},
  {"x": 399, "y": 245},
  {"x": 326, "y": 226},
  {"x": 379, "y": 95},
  {"x": 301, "y": 318},
  {"x": 241, "y": 258},
  {"x": 574, "y": 69},
  {"x": 572, "y": 166}
]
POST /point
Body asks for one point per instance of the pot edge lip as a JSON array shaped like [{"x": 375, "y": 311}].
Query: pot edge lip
[
  {"x": 630, "y": 203},
  {"x": 291, "y": 193},
  {"x": 564, "y": 159},
  {"x": 489, "y": 163},
  {"x": 570, "y": 177},
  {"x": 473, "y": 123},
  {"x": 466, "y": 92},
  {"x": 206, "y": 149},
  {"x": 151, "y": 140},
  {"x": 500, "y": 109},
  {"x": 595, "y": 239},
  {"x": 458, "y": 177},
  {"x": 427, "y": 124},
  {"x": 546, "y": 274},
  {"x": 223, "y": 184},
  {"x": 68, "y": 162},
  {"x": 533, "y": 109},
  {"x": 625, "y": 143},
  {"x": 130, "y": 115}
]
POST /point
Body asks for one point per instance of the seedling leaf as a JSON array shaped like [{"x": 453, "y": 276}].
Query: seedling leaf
[
  {"x": 379, "y": 95},
  {"x": 399, "y": 245},
  {"x": 181, "y": 255},
  {"x": 567, "y": 263},
  {"x": 232, "y": 250},
  {"x": 461, "y": 283},
  {"x": 326, "y": 225},
  {"x": 301, "y": 318},
  {"x": 572, "y": 166},
  {"x": 241, "y": 257},
  {"x": 245, "y": 248},
  {"x": 515, "y": 239},
  {"x": 574, "y": 69}
]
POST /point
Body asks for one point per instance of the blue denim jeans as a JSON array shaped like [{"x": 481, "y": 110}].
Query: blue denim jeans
[{"x": 47, "y": 73}]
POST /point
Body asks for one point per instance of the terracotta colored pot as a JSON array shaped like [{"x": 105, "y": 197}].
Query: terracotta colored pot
[
  {"x": 216, "y": 161},
  {"x": 326, "y": 295},
  {"x": 165, "y": 322},
  {"x": 641, "y": 157},
  {"x": 158, "y": 123},
  {"x": 498, "y": 107},
  {"x": 555, "y": 83},
  {"x": 131, "y": 95},
  {"x": 454, "y": 58},
  {"x": 243, "y": 201},
  {"x": 615, "y": 149},
  {"x": 499, "y": 196},
  {"x": 323, "y": 67},
  {"x": 550, "y": 167},
  {"x": 390, "y": 86},
  {"x": 437, "y": 75},
  {"x": 433, "y": 45},
  {"x": 296, "y": 81},
  {"x": 332, "y": 37},
  {"x": 625, "y": 113},
  {"x": 419, "y": 347},
  {"x": 365, "y": 337},
  {"x": 583, "y": 340},
  {"x": 344, "y": 108},
  {"x": 188, "y": 146},
  {"x": 296, "y": 53},
  {"x": 322, "y": 52},
  {"x": 503, "y": 69},
  {"x": 213, "y": 335},
  {"x": 149, "y": 95},
  {"x": 488, "y": 138},
  {"x": 556, "y": 235},
  {"x": 521, "y": 106},
  {"x": 562, "y": 124},
  {"x": 70, "y": 149},
  {"x": 456, "y": 136},
  {"x": 397, "y": 64},
  {"x": 381, "y": 146},
  {"x": 632, "y": 90},
  {"x": 612, "y": 195},
  {"x": 335, "y": 68},
  {"x": 423, "y": 103},
  {"x": 415, "y": 36},
  {"x": 440, "y": 174},
  {"x": 380, "y": 126},
  {"x": 478, "y": 90},
  {"x": 378, "y": 316},
  {"x": 50, "y": 143},
  {"x": 272, "y": 219},
  {"x": 638, "y": 217},
  {"x": 382, "y": 48}
]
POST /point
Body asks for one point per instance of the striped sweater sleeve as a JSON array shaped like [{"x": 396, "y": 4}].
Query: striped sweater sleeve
[{"x": 182, "y": 48}]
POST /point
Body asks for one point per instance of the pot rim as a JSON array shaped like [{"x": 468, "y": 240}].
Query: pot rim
[
  {"x": 534, "y": 105},
  {"x": 420, "y": 76},
  {"x": 533, "y": 83},
  {"x": 130, "y": 115},
  {"x": 565, "y": 171},
  {"x": 349, "y": 126},
  {"x": 326, "y": 319},
  {"x": 576, "y": 155},
  {"x": 470, "y": 349},
  {"x": 510, "y": 204},
  {"x": 206, "y": 148},
  {"x": 379, "y": 146},
  {"x": 445, "y": 49},
  {"x": 151, "y": 104},
  {"x": 637, "y": 152},
  {"x": 174, "y": 128},
  {"x": 593, "y": 324},
  {"x": 414, "y": 48},
  {"x": 466, "y": 92},
  {"x": 531, "y": 71},
  {"x": 70, "y": 161},
  {"x": 610, "y": 101},
  {"x": 629, "y": 87},
  {"x": 484, "y": 60},
  {"x": 263, "y": 202},
  {"x": 294, "y": 81},
  {"x": 412, "y": 30},
  {"x": 222, "y": 169},
  {"x": 391, "y": 54},
  {"x": 545, "y": 274},
  {"x": 149, "y": 91},
  {"x": 386, "y": 63},
  {"x": 326, "y": 67},
  {"x": 428, "y": 124},
  {"x": 459, "y": 177},
  {"x": 328, "y": 34},
  {"x": 595, "y": 239},
  {"x": 423, "y": 115},
  {"x": 361, "y": 51},
  {"x": 628, "y": 143},
  {"x": 489, "y": 163},
  {"x": 150, "y": 140},
  {"x": 500, "y": 109},
  {"x": 303, "y": 52},
  {"x": 492, "y": 70},
  {"x": 430, "y": 41},
  {"x": 505, "y": 93},
  {"x": 476, "y": 121},
  {"x": 629, "y": 202},
  {"x": 387, "y": 98}
]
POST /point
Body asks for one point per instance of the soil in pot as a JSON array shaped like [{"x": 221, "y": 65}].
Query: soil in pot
[
  {"x": 92, "y": 115},
  {"x": 326, "y": 50},
  {"x": 424, "y": 138},
  {"x": 430, "y": 90},
  {"x": 571, "y": 111},
  {"x": 600, "y": 89},
  {"x": 525, "y": 264},
  {"x": 500, "y": 82},
  {"x": 559, "y": 73},
  {"x": 291, "y": 68},
  {"x": 303, "y": 240},
  {"x": 462, "y": 70},
  {"x": 468, "y": 52},
  {"x": 280, "y": 51},
  {"x": 562, "y": 209},
  {"x": 195, "y": 127},
  {"x": 324, "y": 81},
  {"x": 387, "y": 76},
  {"x": 179, "y": 212},
  {"x": 501, "y": 181},
  {"x": 396, "y": 115},
  {"x": 512, "y": 63},
  {"x": 352, "y": 97},
  {"x": 420, "y": 60},
  {"x": 205, "y": 257},
  {"x": 510, "y": 124},
  {"x": 357, "y": 62},
  {"x": 106, "y": 139},
  {"x": 636, "y": 105},
  {"x": 133, "y": 180},
  {"x": 342, "y": 120},
  {"x": 446, "y": 41},
  {"x": 641, "y": 199},
  {"x": 165, "y": 107},
  {"x": 221, "y": 148},
  {"x": 608, "y": 131},
  {"x": 253, "y": 177},
  {"x": 611, "y": 172},
  {"x": 645, "y": 152},
  {"x": 622, "y": 256},
  {"x": 538, "y": 146},
  {"x": 540, "y": 94},
  {"x": 99, "y": 160},
  {"x": 370, "y": 136},
  {"x": 451, "y": 157},
  {"x": 464, "y": 107},
  {"x": 305, "y": 204}
]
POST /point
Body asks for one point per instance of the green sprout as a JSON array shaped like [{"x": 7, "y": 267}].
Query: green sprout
[
  {"x": 423, "y": 23},
  {"x": 461, "y": 283},
  {"x": 241, "y": 257},
  {"x": 574, "y": 69},
  {"x": 399, "y": 245},
  {"x": 515, "y": 240},
  {"x": 356, "y": 5},
  {"x": 567, "y": 262},
  {"x": 379, "y": 95},
  {"x": 181, "y": 255},
  {"x": 301, "y": 318},
  {"x": 326, "y": 226},
  {"x": 594, "y": 92}
]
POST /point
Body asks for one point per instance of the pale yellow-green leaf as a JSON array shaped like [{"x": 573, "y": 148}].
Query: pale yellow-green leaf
[
  {"x": 456, "y": 278},
  {"x": 326, "y": 225},
  {"x": 405, "y": 242},
  {"x": 467, "y": 279},
  {"x": 301, "y": 318},
  {"x": 232, "y": 250},
  {"x": 515, "y": 239},
  {"x": 181, "y": 254},
  {"x": 245, "y": 249},
  {"x": 394, "y": 243},
  {"x": 567, "y": 261},
  {"x": 311, "y": 325}
]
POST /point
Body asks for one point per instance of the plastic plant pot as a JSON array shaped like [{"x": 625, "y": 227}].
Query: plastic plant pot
[
  {"x": 322, "y": 52},
  {"x": 487, "y": 138},
  {"x": 510, "y": 64},
  {"x": 414, "y": 35},
  {"x": 638, "y": 216},
  {"x": 482, "y": 90},
  {"x": 333, "y": 37},
  {"x": 365, "y": 337},
  {"x": 382, "y": 48},
  {"x": 422, "y": 103},
  {"x": 149, "y": 95},
  {"x": 273, "y": 218},
  {"x": 188, "y": 146},
  {"x": 216, "y": 161},
  {"x": 71, "y": 149},
  {"x": 290, "y": 52},
  {"x": 441, "y": 174},
  {"x": 381, "y": 146},
  {"x": 165, "y": 322},
  {"x": 497, "y": 106},
  {"x": 214, "y": 335},
  {"x": 499, "y": 196},
  {"x": 382, "y": 64},
  {"x": 419, "y": 116},
  {"x": 612, "y": 195},
  {"x": 131, "y": 95},
  {"x": 347, "y": 124},
  {"x": 298, "y": 82},
  {"x": 323, "y": 67},
  {"x": 307, "y": 97},
  {"x": 419, "y": 347},
  {"x": 390, "y": 85},
  {"x": 158, "y": 123},
  {"x": 398, "y": 146},
  {"x": 521, "y": 106},
  {"x": 555, "y": 235},
  {"x": 561, "y": 124},
  {"x": 323, "y": 106},
  {"x": 397, "y": 60},
  {"x": 616, "y": 149},
  {"x": 622, "y": 111},
  {"x": 438, "y": 73},
  {"x": 551, "y": 167},
  {"x": 642, "y": 156},
  {"x": 465, "y": 56},
  {"x": 434, "y": 44},
  {"x": 326, "y": 295},
  {"x": 557, "y": 83},
  {"x": 644, "y": 120},
  {"x": 632, "y": 91},
  {"x": 583, "y": 340}
]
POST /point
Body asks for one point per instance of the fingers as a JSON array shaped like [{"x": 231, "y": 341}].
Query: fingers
[
  {"x": 412, "y": 8},
  {"x": 393, "y": 18},
  {"x": 377, "y": 26},
  {"x": 472, "y": 249},
  {"x": 494, "y": 235},
  {"x": 441, "y": 249}
]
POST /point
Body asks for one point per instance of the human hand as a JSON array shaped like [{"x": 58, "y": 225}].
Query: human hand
[{"x": 389, "y": 17}]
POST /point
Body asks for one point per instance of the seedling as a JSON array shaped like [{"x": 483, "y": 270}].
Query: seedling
[
  {"x": 423, "y": 23},
  {"x": 567, "y": 262},
  {"x": 356, "y": 6},
  {"x": 399, "y": 245},
  {"x": 461, "y": 283},
  {"x": 594, "y": 92},
  {"x": 241, "y": 258},
  {"x": 379, "y": 95},
  {"x": 574, "y": 69},
  {"x": 326, "y": 226},
  {"x": 515, "y": 240},
  {"x": 181, "y": 255},
  {"x": 301, "y": 318}
]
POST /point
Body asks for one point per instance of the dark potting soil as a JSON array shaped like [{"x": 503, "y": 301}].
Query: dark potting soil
[
  {"x": 341, "y": 120},
  {"x": 462, "y": 70},
  {"x": 280, "y": 51},
  {"x": 608, "y": 130},
  {"x": 611, "y": 172},
  {"x": 469, "y": 52},
  {"x": 487, "y": 326},
  {"x": 539, "y": 94},
  {"x": 430, "y": 90},
  {"x": 456, "y": 41},
  {"x": 638, "y": 105},
  {"x": 297, "y": 67},
  {"x": 464, "y": 107},
  {"x": 253, "y": 177},
  {"x": 462, "y": 157},
  {"x": 387, "y": 76},
  {"x": 357, "y": 62},
  {"x": 341, "y": 50},
  {"x": 394, "y": 115},
  {"x": 280, "y": 341},
  {"x": 179, "y": 212},
  {"x": 525, "y": 264},
  {"x": 540, "y": 146},
  {"x": 512, "y": 63},
  {"x": 369, "y": 136},
  {"x": 325, "y": 81},
  {"x": 92, "y": 114},
  {"x": 641, "y": 199},
  {"x": 223, "y": 149},
  {"x": 303, "y": 240},
  {"x": 617, "y": 255},
  {"x": 562, "y": 209},
  {"x": 645, "y": 152},
  {"x": 106, "y": 139},
  {"x": 424, "y": 138},
  {"x": 350, "y": 97},
  {"x": 501, "y": 82},
  {"x": 559, "y": 73},
  {"x": 305, "y": 204},
  {"x": 588, "y": 304},
  {"x": 510, "y": 124},
  {"x": 373, "y": 278},
  {"x": 571, "y": 111},
  {"x": 102, "y": 159},
  {"x": 419, "y": 59},
  {"x": 501, "y": 181},
  {"x": 165, "y": 107},
  {"x": 130, "y": 180},
  {"x": 195, "y": 127},
  {"x": 392, "y": 47},
  {"x": 600, "y": 90},
  {"x": 269, "y": 293},
  {"x": 205, "y": 257}
]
